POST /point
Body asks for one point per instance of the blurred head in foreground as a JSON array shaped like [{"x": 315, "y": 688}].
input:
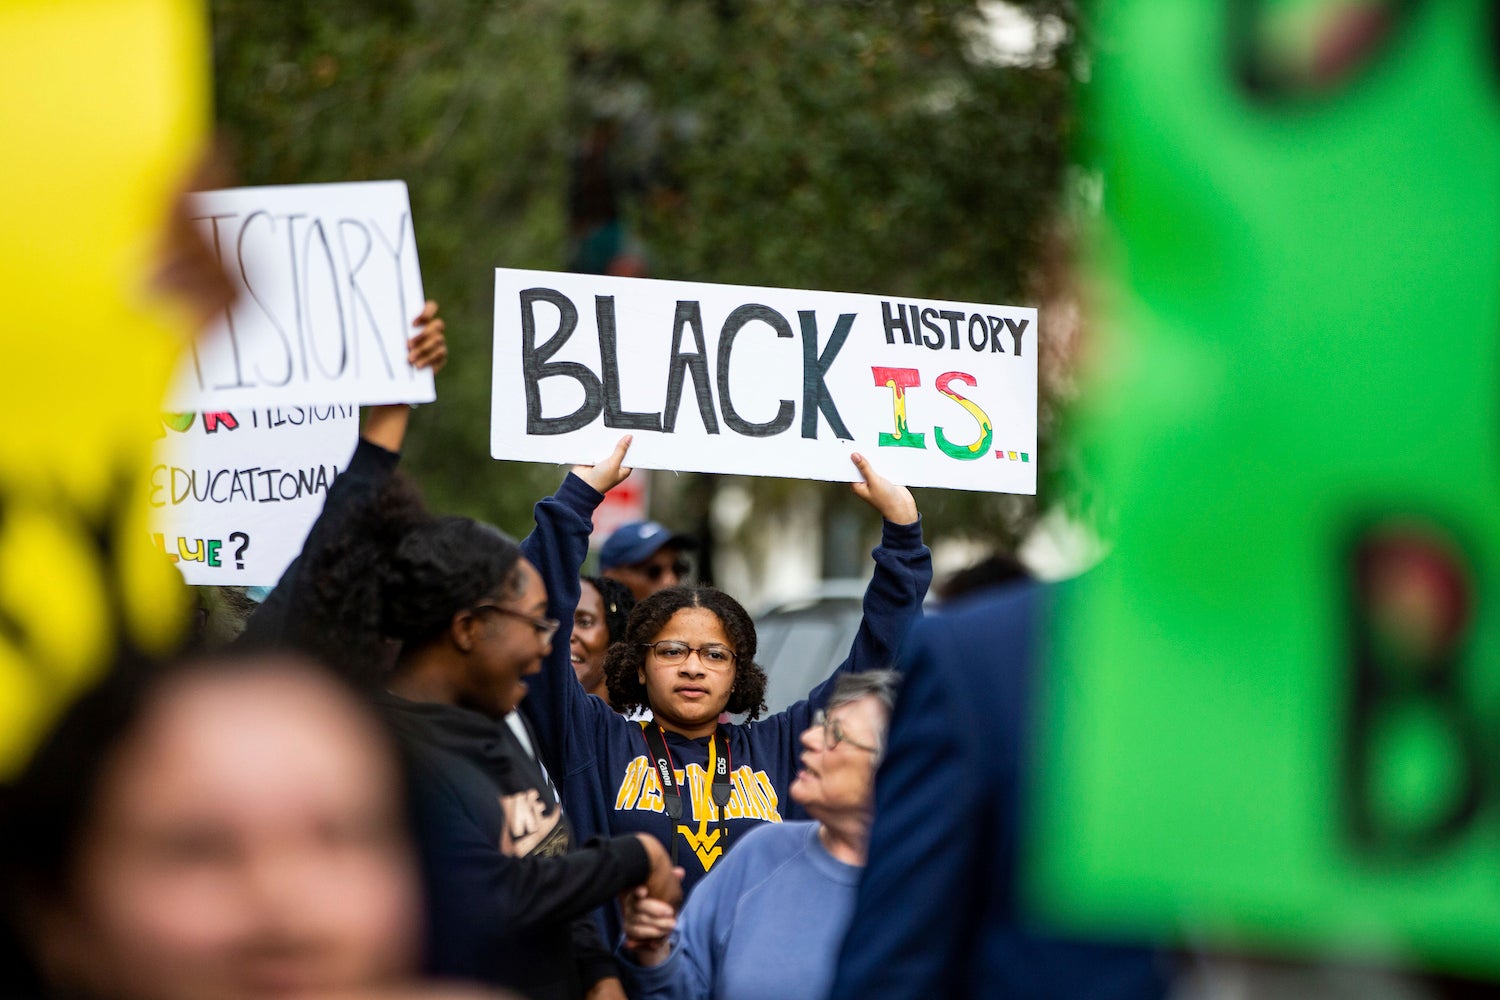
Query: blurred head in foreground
[
  {"x": 229, "y": 828},
  {"x": 1293, "y": 189}
]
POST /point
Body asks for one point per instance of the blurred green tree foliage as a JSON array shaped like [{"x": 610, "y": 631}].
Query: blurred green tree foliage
[{"x": 863, "y": 145}]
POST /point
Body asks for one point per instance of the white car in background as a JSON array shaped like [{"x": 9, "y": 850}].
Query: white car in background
[{"x": 799, "y": 642}]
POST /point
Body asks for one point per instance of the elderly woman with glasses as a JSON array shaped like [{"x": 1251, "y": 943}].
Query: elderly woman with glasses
[
  {"x": 688, "y": 655},
  {"x": 769, "y": 920}
]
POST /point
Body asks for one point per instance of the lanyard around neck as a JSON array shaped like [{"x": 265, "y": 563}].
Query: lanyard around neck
[{"x": 719, "y": 769}]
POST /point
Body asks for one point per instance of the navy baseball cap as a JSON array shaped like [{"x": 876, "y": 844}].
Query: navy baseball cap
[{"x": 638, "y": 541}]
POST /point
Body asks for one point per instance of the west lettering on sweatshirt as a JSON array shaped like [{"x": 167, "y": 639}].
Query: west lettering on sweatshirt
[{"x": 753, "y": 798}]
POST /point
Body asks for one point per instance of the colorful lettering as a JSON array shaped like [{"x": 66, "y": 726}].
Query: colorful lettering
[
  {"x": 898, "y": 380},
  {"x": 698, "y": 785},
  {"x": 979, "y": 447},
  {"x": 651, "y": 799},
  {"x": 752, "y": 796},
  {"x": 767, "y": 796},
  {"x": 161, "y": 543}
]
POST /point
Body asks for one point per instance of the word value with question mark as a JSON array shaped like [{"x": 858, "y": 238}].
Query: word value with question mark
[{"x": 205, "y": 550}]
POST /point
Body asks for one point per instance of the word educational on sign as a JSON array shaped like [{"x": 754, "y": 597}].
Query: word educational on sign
[
  {"x": 328, "y": 285},
  {"x": 764, "y": 381},
  {"x": 223, "y": 478}
]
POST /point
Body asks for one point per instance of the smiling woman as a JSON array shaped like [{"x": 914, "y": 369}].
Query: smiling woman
[
  {"x": 467, "y": 610},
  {"x": 604, "y": 605},
  {"x": 510, "y": 890}
]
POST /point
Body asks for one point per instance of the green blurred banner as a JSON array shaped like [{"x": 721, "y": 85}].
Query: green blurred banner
[{"x": 1271, "y": 715}]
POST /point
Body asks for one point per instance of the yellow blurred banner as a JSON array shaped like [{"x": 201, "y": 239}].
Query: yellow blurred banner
[{"x": 106, "y": 111}]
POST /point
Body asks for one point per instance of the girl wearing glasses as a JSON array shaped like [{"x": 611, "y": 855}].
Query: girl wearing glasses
[{"x": 688, "y": 655}]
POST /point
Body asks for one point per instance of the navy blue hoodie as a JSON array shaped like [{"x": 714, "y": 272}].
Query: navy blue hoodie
[{"x": 600, "y": 759}]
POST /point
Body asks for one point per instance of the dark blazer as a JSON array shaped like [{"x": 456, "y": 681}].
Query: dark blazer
[{"x": 936, "y": 913}]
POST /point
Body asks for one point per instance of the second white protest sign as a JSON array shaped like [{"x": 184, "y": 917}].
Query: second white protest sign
[
  {"x": 233, "y": 495},
  {"x": 328, "y": 286}
]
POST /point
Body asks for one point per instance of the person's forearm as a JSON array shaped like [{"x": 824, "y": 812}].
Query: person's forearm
[
  {"x": 386, "y": 425},
  {"x": 555, "y": 704},
  {"x": 364, "y": 476},
  {"x": 608, "y": 988},
  {"x": 647, "y": 954}
]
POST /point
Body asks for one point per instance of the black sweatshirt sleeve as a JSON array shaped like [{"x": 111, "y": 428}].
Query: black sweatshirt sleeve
[
  {"x": 369, "y": 469},
  {"x": 595, "y": 962},
  {"x": 490, "y": 894}
]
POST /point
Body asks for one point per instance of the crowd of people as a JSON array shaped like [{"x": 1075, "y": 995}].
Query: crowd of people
[
  {"x": 436, "y": 761},
  {"x": 434, "y": 753}
]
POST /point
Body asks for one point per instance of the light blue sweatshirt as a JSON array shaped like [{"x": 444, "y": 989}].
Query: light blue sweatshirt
[{"x": 767, "y": 923}]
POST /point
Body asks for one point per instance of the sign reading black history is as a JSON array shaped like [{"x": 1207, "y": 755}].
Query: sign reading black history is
[{"x": 764, "y": 381}]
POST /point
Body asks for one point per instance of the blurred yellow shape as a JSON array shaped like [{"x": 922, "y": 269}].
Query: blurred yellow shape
[{"x": 105, "y": 112}]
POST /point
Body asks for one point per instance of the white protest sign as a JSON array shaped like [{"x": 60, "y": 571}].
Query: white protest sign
[
  {"x": 233, "y": 494},
  {"x": 328, "y": 287},
  {"x": 764, "y": 381}
]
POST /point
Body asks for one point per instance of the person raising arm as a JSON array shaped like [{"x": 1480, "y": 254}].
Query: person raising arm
[{"x": 688, "y": 655}]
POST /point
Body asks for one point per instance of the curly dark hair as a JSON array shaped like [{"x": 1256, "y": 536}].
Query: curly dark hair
[
  {"x": 618, "y": 603},
  {"x": 394, "y": 571},
  {"x": 626, "y": 656},
  {"x": 441, "y": 567}
]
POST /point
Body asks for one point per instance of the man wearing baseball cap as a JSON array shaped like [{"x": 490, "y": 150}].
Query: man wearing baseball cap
[{"x": 645, "y": 556}]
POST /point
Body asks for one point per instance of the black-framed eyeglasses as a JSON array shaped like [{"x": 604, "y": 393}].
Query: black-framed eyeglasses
[
  {"x": 833, "y": 733},
  {"x": 671, "y": 652},
  {"x": 545, "y": 628},
  {"x": 655, "y": 571}
]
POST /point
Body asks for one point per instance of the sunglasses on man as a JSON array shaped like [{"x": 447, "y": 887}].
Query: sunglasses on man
[{"x": 655, "y": 571}]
